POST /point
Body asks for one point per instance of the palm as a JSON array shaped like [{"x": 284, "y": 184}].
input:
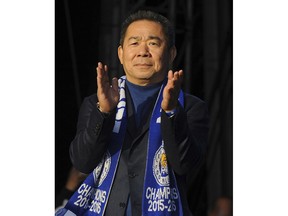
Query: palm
[
  {"x": 108, "y": 95},
  {"x": 171, "y": 90}
]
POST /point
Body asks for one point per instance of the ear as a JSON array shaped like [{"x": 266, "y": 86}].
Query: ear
[
  {"x": 173, "y": 53},
  {"x": 120, "y": 54}
]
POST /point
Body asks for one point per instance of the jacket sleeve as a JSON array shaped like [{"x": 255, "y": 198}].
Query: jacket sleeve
[
  {"x": 185, "y": 135},
  {"x": 91, "y": 140}
]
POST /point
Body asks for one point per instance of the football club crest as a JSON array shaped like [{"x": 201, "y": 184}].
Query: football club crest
[
  {"x": 104, "y": 167},
  {"x": 160, "y": 167}
]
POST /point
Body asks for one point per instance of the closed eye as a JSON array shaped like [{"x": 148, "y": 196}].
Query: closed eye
[
  {"x": 153, "y": 44},
  {"x": 133, "y": 44}
]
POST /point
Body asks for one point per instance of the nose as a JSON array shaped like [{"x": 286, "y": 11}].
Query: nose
[{"x": 143, "y": 50}]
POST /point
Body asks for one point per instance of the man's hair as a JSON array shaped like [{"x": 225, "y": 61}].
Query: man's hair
[{"x": 151, "y": 16}]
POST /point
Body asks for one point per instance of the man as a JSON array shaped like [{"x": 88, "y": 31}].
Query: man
[{"x": 141, "y": 135}]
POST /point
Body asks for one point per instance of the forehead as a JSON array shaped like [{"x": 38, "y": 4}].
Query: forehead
[{"x": 145, "y": 28}]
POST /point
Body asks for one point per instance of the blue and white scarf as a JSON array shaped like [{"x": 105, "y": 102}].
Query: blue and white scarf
[{"x": 160, "y": 195}]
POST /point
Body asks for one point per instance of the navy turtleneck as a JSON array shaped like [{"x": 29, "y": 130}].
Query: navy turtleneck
[{"x": 141, "y": 97}]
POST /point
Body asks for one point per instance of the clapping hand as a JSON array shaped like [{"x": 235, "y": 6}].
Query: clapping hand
[
  {"x": 108, "y": 95},
  {"x": 171, "y": 90}
]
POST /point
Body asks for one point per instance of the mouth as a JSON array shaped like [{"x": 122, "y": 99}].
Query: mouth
[{"x": 142, "y": 65}]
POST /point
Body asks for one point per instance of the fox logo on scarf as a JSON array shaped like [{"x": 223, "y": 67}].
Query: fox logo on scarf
[
  {"x": 102, "y": 172},
  {"x": 160, "y": 167},
  {"x": 160, "y": 195}
]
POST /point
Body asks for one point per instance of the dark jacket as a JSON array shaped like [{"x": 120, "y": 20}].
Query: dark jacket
[{"x": 185, "y": 139}]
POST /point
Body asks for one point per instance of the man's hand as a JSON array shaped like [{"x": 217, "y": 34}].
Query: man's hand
[
  {"x": 171, "y": 90},
  {"x": 108, "y": 95}
]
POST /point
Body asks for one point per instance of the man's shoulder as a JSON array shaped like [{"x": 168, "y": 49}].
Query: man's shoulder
[
  {"x": 91, "y": 98},
  {"x": 89, "y": 102}
]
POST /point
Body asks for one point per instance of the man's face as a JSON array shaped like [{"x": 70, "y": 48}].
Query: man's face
[{"x": 145, "y": 55}]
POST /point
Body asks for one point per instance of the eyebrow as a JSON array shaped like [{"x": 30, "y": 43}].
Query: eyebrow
[{"x": 138, "y": 38}]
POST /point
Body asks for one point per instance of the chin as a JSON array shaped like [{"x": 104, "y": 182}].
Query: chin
[{"x": 144, "y": 74}]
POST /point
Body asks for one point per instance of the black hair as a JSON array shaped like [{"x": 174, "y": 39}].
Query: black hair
[{"x": 151, "y": 16}]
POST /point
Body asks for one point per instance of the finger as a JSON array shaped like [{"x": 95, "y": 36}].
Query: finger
[
  {"x": 102, "y": 77},
  {"x": 176, "y": 76},
  {"x": 170, "y": 75},
  {"x": 181, "y": 75},
  {"x": 105, "y": 73},
  {"x": 99, "y": 70},
  {"x": 102, "y": 72},
  {"x": 100, "y": 65}
]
